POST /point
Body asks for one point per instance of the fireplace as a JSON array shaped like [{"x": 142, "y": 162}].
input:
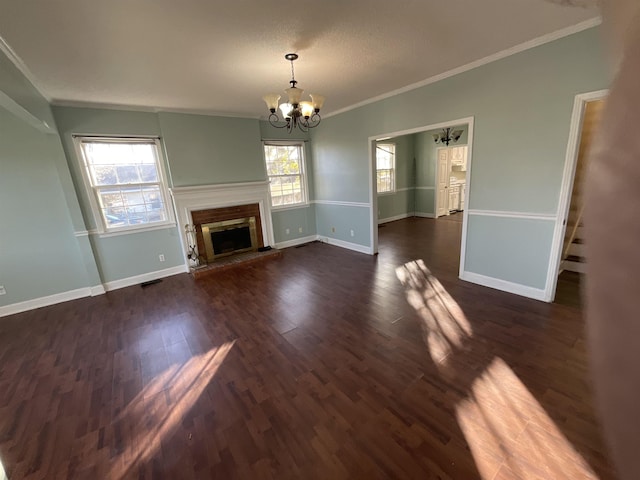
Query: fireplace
[
  {"x": 229, "y": 237},
  {"x": 225, "y": 231},
  {"x": 208, "y": 204}
]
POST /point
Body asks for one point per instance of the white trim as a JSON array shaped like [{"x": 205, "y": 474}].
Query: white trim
[
  {"x": 97, "y": 290},
  {"x": 142, "y": 108},
  {"x": 19, "y": 111},
  {"x": 505, "y": 286},
  {"x": 425, "y": 188},
  {"x": 356, "y": 247},
  {"x": 536, "y": 42},
  {"x": 395, "y": 217},
  {"x": 44, "y": 301},
  {"x": 499, "y": 213},
  {"x": 129, "y": 231},
  {"x": 290, "y": 207},
  {"x": 296, "y": 241},
  {"x": 341, "y": 203},
  {"x": 568, "y": 176},
  {"x": 81, "y": 233},
  {"x": 94, "y": 203},
  {"x": 302, "y": 173},
  {"x": 22, "y": 67},
  {"x": 469, "y": 121},
  {"x": 145, "y": 277},
  {"x": 467, "y": 197},
  {"x": 88, "y": 291}
]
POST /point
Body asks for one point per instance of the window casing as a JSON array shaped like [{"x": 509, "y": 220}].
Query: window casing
[
  {"x": 386, "y": 167},
  {"x": 286, "y": 173},
  {"x": 125, "y": 181}
]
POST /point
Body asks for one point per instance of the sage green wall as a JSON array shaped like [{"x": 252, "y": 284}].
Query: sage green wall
[
  {"x": 39, "y": 253},
  {"x": 207, "y": 150},
  {"x": 526, "y": 243},
  {"x": 119, "y": 256},
  {"x": 522, "y": 106},
  {"x": 400, "y": 202}
]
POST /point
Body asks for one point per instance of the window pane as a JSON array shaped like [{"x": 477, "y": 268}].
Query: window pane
[
  {"x": 385, "y": 164},
  {"x": 127, "y": 174},
  {"x": 286, "y": 190},
  {"x": 284, "y": 168},
  {"x": 148, "y": 173},
  {"x": 104, "y": 175},
  {"x": 126, "y": 177}
]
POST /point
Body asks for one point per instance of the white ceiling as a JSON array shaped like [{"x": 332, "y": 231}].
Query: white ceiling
[{"x": 215, "y": 56}]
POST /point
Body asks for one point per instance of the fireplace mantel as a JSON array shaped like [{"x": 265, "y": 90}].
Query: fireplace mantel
[{"x": 202, "y": 197}]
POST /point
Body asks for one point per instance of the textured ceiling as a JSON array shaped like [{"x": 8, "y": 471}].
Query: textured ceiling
[{"x": 221, "y": 57}]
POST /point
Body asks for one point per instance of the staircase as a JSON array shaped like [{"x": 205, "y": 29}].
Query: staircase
[{"x": 574, "y": 254}]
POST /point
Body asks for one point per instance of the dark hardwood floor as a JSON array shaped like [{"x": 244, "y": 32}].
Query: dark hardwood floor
[{"x": 323, "y": 363}]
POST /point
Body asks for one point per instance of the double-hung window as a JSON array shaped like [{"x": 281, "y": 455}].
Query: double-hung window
[
  {"x": 125, "y": 181},
  {"x": 285, "y": 169},
  {"x": 386, "y": 167}
]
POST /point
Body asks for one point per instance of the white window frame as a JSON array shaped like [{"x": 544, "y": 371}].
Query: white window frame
[
  {"x": 393, "y": 169},
  {"x": 303, "y": 173},
  {"x": 101, "y": 227}
]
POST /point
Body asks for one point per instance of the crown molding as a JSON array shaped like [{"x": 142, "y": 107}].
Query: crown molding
[
  {"x": 146, "y": 109},
  {"x": 21, "y": 66},
  {"x": 536, "y": 42}
]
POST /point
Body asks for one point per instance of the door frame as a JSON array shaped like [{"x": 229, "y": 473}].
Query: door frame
[
  {"x": 373, "y": 194},
  {"x": 436, "y": 203},
  {"x": 568, "y": 177}
]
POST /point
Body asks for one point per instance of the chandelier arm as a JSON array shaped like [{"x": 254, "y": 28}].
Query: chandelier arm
[{"x": 273, "y": 118}]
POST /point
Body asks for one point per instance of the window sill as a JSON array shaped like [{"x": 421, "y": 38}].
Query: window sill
[
  {"x": 383, "y": 194},
  {"x": 131, "y": 230},
  {"x": 290, "y": 207}
]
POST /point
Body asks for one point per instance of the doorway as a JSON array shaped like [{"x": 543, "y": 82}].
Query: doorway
[
  {"x": 416, "y": 187},
  {"x": 568, "y": 263}
]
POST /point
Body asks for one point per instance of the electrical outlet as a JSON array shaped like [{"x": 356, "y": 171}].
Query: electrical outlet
[
  {"x": 161, "y": 257},
  {"x": 333, "y": 229},
  {"x": 3, "y": 291},
  {"x": 299, "y": 229},
  {"x": 352, "y": 234},
  {"x": 287, "y": 231}
]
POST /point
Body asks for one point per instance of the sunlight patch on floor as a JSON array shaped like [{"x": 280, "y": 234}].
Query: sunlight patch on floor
[
  {"x": 158, "y": 409},
  {"x": 444, "y": 324},
  {"x": 511, "y": 435}
]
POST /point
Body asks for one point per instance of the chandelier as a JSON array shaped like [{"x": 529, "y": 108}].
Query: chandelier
[
  {"x": 447, "y": 135},
  {"x": 296, "y": 114}
]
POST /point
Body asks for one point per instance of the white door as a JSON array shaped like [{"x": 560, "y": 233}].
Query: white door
[{"x": 442, "y": 184}]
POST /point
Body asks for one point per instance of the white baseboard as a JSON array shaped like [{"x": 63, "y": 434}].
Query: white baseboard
[
  {"x": 88, "y": 291},
  {"x": 424, "y": 215},
  {"x": 97, "y": 290},
  {"x": 44, "y": 301},
  {"x": 394, "y": 218},
  {"x": 145, "y": 277},
  {"x": 296, "y": 241},
  {"x": 505, "y": 286},
  {"x": 356, "y": 247}
]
